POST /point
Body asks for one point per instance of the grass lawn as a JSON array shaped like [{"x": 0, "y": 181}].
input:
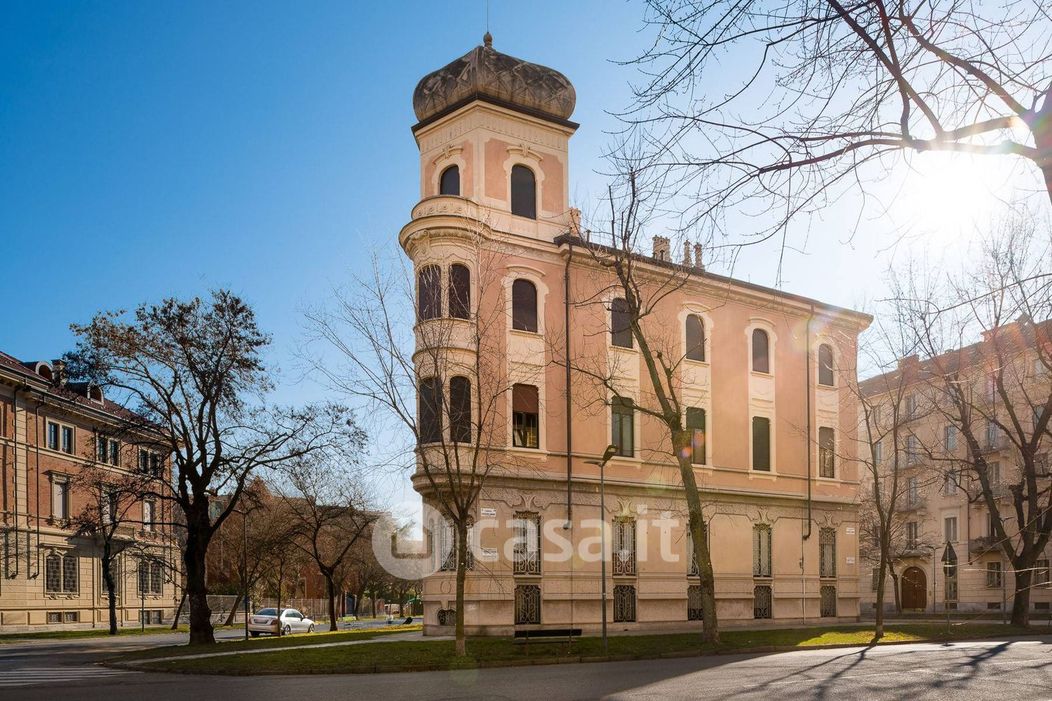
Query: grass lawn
[
  {"x": 89, "y": 633},
  {"x": 265, "y": 642},
  {"x": 438, "y": 654}
]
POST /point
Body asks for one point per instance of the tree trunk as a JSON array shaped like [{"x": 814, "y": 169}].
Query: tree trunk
[
  {"x": 201, "y": 631},
  {"x": 462, "y": 571},
  {"x": 330, "y": 587},
  {"x": 1021, "y": 601},
  {"x": 179, "y": 610},
  {"x": 233, "y": 610},
  {"x": 878, "y": 632},
  {"x": 710, "y": 627},
  {"x": 107, "y": 573}
]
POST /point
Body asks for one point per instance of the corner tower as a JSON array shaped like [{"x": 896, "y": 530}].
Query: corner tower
[{"x": 495, "y": 130}]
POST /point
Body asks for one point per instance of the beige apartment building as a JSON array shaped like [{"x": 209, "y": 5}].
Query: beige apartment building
[
  {"x": 940, "y": 503},
  {"x": 50, "y": 577},
  {"x": 763, "y": 373}
]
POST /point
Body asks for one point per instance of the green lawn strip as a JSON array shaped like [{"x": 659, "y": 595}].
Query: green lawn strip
[
  {"x": 88, "y": 633},
  {"x": 397, "y": 656},
  {"x": 317, "y": 638}
]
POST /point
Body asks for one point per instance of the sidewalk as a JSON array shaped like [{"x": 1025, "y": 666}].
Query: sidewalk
[{"x": 408, "y": 635}]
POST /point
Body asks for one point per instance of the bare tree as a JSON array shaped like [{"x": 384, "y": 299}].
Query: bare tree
[
  {"x": 640, "y": 288},
  {"x": 438, "y": 377},
  {"x": 997, "y": 392},
  {"x": 821, "y": 95},
  {"x": 327, "y": 517},
  {"x": 111, "y": 516},
  {"x": 196, "y": 373}
]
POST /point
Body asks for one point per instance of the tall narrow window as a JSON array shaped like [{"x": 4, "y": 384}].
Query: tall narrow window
[
  {"x": 460, "y": 410},
  {"x": 825, "y": 365},
  {"x": 761, "y": 356},
  {"x": 148, "y": 515},
  {"x": 949, "y": 527},
  {"x": 524, "y": 305},
  {"x": 993, "y": 575},
  {"x": 527, "y": 604},
  {"x": 430, "y": 410},
  {"x": 53, "y": 573},
  {"x": 429, "y": 293},
  {"x": 60, "y": 499},
  {"x": 761, "y": 443},
  {"x": 527, "y": 547},
  {"x": 761, "y": 550},
  {"x": 449, "y": 183},
  {"x": 827, "y": 602},
  {"x": 761, "y": 601},
  {"x": 827, "y": 552},
  {"x": 622, "y": 415},
  {"x": 67, "y": 439},
  {"x": 694, "y": 612},
  {"x": 52, "y": 435},
  {"x": 826, "y": 452},
  {"x": 624, "y": 603},
  {"x": 624, "y": 547},
  {"x": 620, "y": 323},
  {"x": 696, "y": 426},
  {"x": 459, "y": 291},
  {"x": 156, "y": 578},
  {"x": 695, "y": 337},
  {"x": 70, "y": 570},
  {"x": 525, "y": 417},
  {"x": 912, "y": 534},
  {"x": 523, "y": 192}
]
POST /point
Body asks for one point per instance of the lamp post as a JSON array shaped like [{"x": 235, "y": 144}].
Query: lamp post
[{"x": 611, "y": 451}]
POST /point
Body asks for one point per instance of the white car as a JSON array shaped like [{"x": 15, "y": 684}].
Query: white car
[{"x": 270, "y": 622}]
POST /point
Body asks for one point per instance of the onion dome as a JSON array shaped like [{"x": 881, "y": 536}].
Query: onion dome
[{"x": 488, "y": 75}]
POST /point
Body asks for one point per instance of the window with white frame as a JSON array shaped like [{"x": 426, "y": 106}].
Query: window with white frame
[
  {"x": 108, "y": 451},
  {"x": 826, "y": 452},
  {"x": 148, "y": 515},
  {"x": 949, "y": 434},
  {"x": 949, "y": 529},
  {"x": 912, "y": 534},
  {"x": 949, "y": 483},
  {"x": 993, "y": 575},
  {"x": 59, "y": 497}
]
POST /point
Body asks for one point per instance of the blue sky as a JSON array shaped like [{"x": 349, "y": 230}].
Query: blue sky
[{"x": 151, "y": 149}]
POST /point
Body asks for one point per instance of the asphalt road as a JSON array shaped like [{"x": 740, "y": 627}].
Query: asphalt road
[{"x": 967, "y": 670}]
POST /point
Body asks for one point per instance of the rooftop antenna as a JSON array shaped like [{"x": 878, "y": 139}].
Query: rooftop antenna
[{"x": 487, "y": 38}]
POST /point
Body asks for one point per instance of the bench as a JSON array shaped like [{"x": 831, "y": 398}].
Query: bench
[{"x": 525, "y": 636}]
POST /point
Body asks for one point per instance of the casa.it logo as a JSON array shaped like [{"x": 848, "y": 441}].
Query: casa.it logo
[{"x": 412, "y": 559}]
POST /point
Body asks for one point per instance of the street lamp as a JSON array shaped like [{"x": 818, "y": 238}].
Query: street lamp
[{"x": 611, "y": 451}]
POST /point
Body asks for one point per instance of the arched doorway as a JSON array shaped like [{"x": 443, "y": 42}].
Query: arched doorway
[{"x": 914, "y": 589}]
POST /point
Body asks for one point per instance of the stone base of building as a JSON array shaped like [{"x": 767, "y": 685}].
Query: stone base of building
[{"x": 647, "y": 628}]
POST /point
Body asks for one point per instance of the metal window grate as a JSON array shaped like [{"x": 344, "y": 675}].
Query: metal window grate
[
  {"x": 527, "y": 550},
  {"x": 761, "y": 601},
  {"x": 156, "y": 578},
  {"x": 761, "y": 555},
  {"x": 694, "y": 602},
  {"x": 69, "y": 573},
  {"x": 828, "y": 596},
  {"x": 52, "y": 573},
  {"x": 624, "y": 603},
  {"x": 827, "y": 552},
  {"x": 624, "y": 547},
  {"x": 527, "y": 604}
]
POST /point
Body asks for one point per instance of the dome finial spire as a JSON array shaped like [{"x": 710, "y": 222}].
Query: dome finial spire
[{"x": 487, "y": 40}]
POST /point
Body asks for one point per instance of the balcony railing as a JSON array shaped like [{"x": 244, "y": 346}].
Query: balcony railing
[{"x": 982, "y": 544}]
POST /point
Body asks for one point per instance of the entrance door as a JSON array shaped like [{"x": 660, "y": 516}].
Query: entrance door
[{"x": 914, "y": 589}]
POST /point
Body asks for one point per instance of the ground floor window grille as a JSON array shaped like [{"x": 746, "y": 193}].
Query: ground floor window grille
[
  {"x": 527, "y": 549},
  {"x": 624, "y": 547},
  {"x": 52, "y": 574},
  {"x": 70, "y": 617},
  {"x": 156, "y": 578},
  {"x": 694, "y": 602},
  {"x": 761, "y": 602},
  {"x": 70, "y": 570},
  {"x": 624, "y": 603},
  {"x": 828, "y": 596},
  {"x": 447, "y": 617},
  {"x": 153, "y": 617},
  {"x": 527, "y": 604},
  {"x": 54, "y": 616}
]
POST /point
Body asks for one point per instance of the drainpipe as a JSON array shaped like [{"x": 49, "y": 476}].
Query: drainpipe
[
  {"x": 36, "y": 425},
  {"x": 569, "y": 403},
  {"x": 14, "y": 463},
  {"x": 807, "y": 375}
]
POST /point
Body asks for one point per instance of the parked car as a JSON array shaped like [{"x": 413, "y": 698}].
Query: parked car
[{"x": 270, "y": 622}]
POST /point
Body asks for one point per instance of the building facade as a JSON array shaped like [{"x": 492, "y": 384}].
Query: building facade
[
  {"x": 51, "y": 431},
  {"x": 501, "y": 264},
  {"x": 941, "y": 508}
]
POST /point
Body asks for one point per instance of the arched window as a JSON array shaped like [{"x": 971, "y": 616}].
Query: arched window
[
  {"x": 825, "y": 365},
  {"x": 620, "y": 324},
  {"x": 459, "y": 291},
  {"x": 430, "y": 399},
  {"x": 460, "y": 410},
  {"x": 429, "y": 293},
  {"x": 524, "y": 305},
  {"x": 761, "y": 357},
  {"x": 523, "y": 192},
  {"x": 449, "y": 182},
  {"x": 695, "y": 337}
]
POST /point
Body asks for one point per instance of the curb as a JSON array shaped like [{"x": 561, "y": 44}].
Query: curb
[{"x": 544, "y": 661}]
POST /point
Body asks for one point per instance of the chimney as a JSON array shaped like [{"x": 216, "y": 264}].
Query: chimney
[
  {"x": 661, "y": 248},
  {"x": 686, "y": 253},
  {"x": 699, "y": 262},
  {"x": 60, "y": 372},
  {"x": 575, "y": 222}
]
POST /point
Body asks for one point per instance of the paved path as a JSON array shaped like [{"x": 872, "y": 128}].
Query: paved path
[{"x": 1003, "y": 670}]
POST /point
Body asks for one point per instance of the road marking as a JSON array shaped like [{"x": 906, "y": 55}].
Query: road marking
[{"x": 27, "y": 676}]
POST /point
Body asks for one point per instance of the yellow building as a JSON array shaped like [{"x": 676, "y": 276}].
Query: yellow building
[
  {"x": 494, "y": 230},
  {"x": 51, "y": 577}
]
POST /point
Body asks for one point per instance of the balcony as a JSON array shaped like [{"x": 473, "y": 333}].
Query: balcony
[
  {"x": 982, "y": 544},
  {"x": 914, "y": 504},
  {"x": 996, "y": 445}
]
